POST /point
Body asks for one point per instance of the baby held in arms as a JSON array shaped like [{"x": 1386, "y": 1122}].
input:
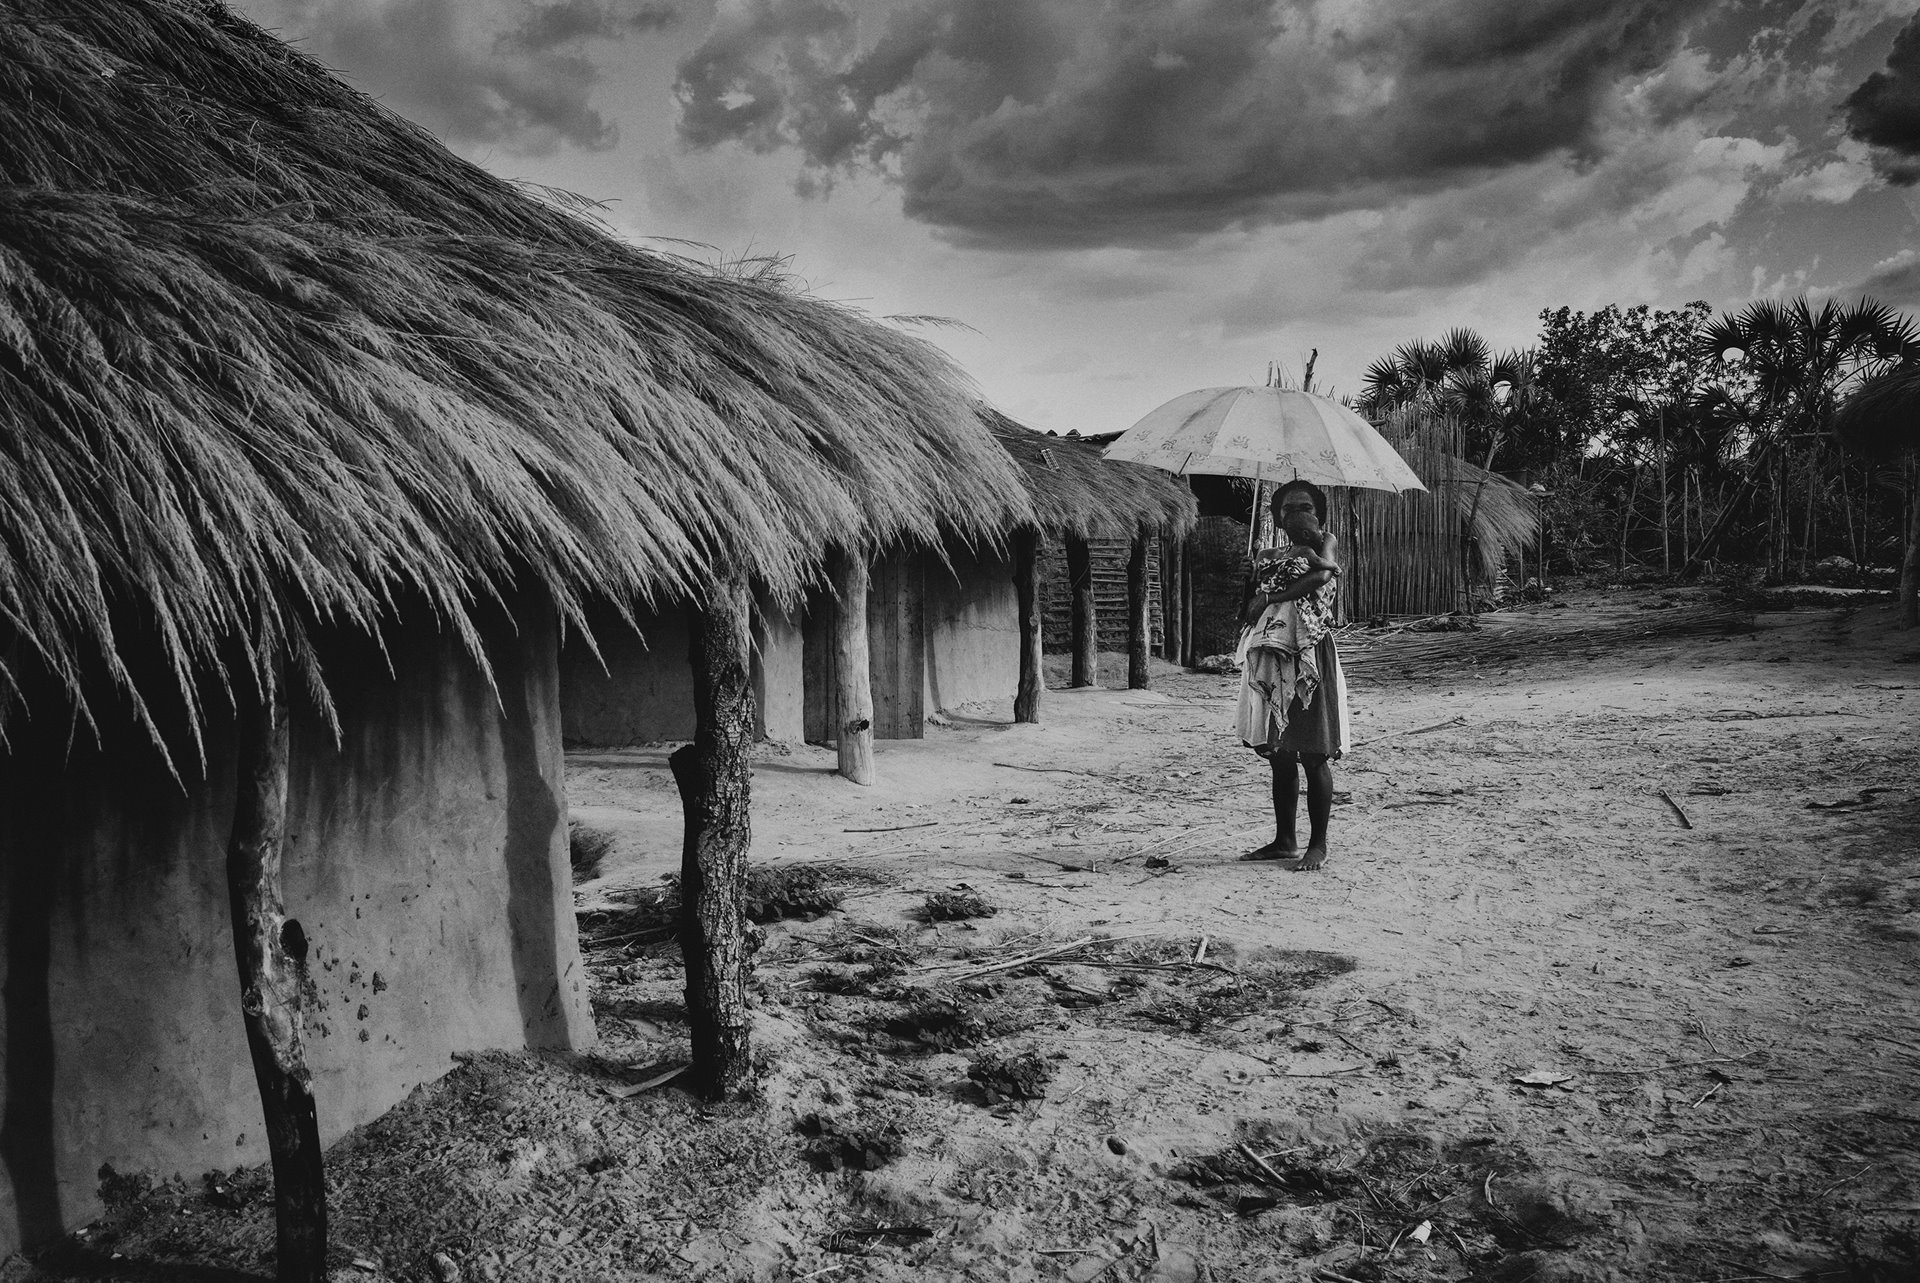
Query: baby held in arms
[{"x": 1287, "y": 624}]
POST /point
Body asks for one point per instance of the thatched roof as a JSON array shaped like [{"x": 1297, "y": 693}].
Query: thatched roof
[
  {"x": 271, "y": 355},
  {"x": 1882, "y": 419},
  {"x": 1076, "y": 491}
]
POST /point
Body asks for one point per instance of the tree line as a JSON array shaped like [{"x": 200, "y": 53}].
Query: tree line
[{"x": 1672, "y": 439}]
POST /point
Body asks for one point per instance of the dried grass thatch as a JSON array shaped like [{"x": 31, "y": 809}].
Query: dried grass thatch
[
  {"x": 270, "y": 355},
  {"x": 1076, "y": 491},
  {"x": 1882, "y": 419}
]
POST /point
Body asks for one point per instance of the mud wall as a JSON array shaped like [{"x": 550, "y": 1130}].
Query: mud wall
[
  {"x": 779, "y": 697},
  {"x": 426, "y": 861},
  {"x": 639, "y": 688},
  {"x": 972, "y": 622}
]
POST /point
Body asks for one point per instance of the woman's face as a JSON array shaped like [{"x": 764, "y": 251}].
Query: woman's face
[{"x": 1296, "y": 512}]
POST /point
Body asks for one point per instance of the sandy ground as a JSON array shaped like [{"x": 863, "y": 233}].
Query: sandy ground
[{"x": 1253, "y": 1073}]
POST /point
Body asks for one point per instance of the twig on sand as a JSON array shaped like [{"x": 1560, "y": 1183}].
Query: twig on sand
[
  {"x": 1421, "y": 730},
  {"x": 1024, "y": 959},
  {"x": 1059, "y": 864},
  {"x": 1050, "y": 770},
  {"x": 1759, "y": 1273},
  {"x": 1278, "y": 1180},
  {"x": 1844, "y": 1180},
  {"x": 1679, "y": 1064},
  {"x": 1159, "y": 966},
  {"x": 892, "y": 828},
  {"x": 1685, "y": 823}
]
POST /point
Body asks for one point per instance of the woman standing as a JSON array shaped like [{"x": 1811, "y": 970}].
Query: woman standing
[{"x": 1293, "y": 698}]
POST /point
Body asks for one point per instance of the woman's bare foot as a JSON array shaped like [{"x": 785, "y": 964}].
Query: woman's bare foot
[
  {"x": 1313, "y": 859},
  {"x": 1277, "y": 849}
]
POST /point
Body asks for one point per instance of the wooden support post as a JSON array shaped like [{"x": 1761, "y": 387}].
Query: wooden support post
[
  {"x": 1026, "y": 589},
  {"x": 1086, "y": 622},
  {"x": 715, "y": 787},
  {"x": 270, "y": 950},
  {"x": 1139, "y": 613},
  {"x": 852, "y": 666}
]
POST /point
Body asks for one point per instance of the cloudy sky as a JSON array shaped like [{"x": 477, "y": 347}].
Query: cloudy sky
[{"x": 1126, "y": 199}]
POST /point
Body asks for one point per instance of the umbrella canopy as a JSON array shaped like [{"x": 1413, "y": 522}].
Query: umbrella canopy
[{"x": 1265, "y": 434}]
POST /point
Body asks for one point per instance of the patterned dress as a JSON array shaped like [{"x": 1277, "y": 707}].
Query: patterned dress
[{"x": 1293, "y": 696}]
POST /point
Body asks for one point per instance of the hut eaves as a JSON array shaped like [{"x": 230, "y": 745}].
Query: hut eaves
[{"x": 1076, "y": 491}]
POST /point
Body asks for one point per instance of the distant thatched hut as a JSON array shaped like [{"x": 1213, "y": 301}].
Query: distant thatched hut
[
  {"x": 1080, "y": 498},
  {"x": 293, "y": 400}
]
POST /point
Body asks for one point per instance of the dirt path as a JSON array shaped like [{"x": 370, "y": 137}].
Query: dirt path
[
  {"x": 1734, "y": 1001},
  {"x": 1252, "y": 1074}
]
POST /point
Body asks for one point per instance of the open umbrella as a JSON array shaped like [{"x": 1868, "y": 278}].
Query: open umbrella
[{"x": 1265, "y": 434}]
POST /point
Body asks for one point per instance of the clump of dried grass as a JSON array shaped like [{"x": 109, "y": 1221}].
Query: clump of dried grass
[
  {"x": 587, "y": 850},
  {"x": 957, "y": 906}
]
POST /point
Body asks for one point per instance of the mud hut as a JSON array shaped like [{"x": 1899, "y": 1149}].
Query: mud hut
[{"x": 315, "y": 441}]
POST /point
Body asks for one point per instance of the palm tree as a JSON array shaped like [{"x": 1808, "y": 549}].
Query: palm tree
[{"x": 1789, "y": 366}]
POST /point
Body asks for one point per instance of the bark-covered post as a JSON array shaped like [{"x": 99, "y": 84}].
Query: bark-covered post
[
  {"x": 1086, "y": 624},
  {"x": 852, "y": 666},
  {"x": 715, "y": 785},
  {"x": 1026, "y": 589},
  {"x": 270, "y": 950},
  {"x": 1139, "y": 612}
]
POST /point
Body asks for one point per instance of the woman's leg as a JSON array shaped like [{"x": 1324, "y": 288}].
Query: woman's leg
[
  {"x": 1319, "y": 808},
  {"x": 1286, "y": 803}
]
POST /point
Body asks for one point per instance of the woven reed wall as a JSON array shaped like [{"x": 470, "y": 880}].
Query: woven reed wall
[
  {"x": 1109, "y": 594},
  {"x": 1400, "y": 554}
]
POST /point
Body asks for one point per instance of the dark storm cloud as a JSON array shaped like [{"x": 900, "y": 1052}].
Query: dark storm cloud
[
  {"x": 1885, "y": 110},
  {"x": 548, "y": 26},
  {"x": 514, "y": 74},
  {"x": 1034, "y": 123}
]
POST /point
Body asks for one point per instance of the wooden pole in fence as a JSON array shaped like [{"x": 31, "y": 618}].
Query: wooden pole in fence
[{"x": 1139, "y": 612}]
